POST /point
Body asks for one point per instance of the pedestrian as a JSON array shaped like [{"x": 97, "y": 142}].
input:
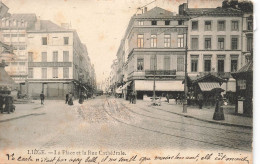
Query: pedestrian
[
  {"x": 67, "y": 98},
  {"x": 130, "y": 97},
  {"x": 42, "y": 98},
  {"x": 70, "y": 102},
  {"x": 200, "y": 100},
  {"x": 167, "y": 97},
  {"x": 134, "y": 97}
]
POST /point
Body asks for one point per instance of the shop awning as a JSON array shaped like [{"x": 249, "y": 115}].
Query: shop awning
[
  {"x": 145, "y": 85},
  {"x": 208, "y": 86},
  {"x": 125, "y": 86}
]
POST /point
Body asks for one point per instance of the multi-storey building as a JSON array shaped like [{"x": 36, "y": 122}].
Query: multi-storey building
[
  {"x": 14, "y": 32},
  {"x": 57, "y": 61},
  {"x": 153, "y": 48}
]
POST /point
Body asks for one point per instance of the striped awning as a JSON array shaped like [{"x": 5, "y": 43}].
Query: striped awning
[{"x": 208, "y": 86}]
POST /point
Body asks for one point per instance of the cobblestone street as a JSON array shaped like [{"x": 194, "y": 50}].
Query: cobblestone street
[{"x": 109, "y": 123}]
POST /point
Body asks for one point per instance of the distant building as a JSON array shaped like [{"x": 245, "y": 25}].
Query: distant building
[{"x": 58, "y": 62}]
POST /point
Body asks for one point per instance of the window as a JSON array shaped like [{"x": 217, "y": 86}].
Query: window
[
  {"x": 221, "y": 65},
  {"x": 154, "y": 22},
  {"x": 221, "y": 26},
  {"x": 65, "y": 72},
  {"x": 167, "y": 40},
  {"x": 207, "y": 43},
  {"x": 65, "y": 56},
  {"x": 194, "y": 25},
  {"x": 167, "y": 63},
  {"x": 140, "y": 64},
  {"x": 55, "y": 56},
  {"x": 30, "y": 57},
  {"x": 44, "y": 56},
  {"x": 167, "y": 22},
  {"x": 250, "y": 43},
  {"x": 44, "y": 73},
  {"x": 207, "y": 65},
  {"x": 22, "y": 47},
  {"x": 140, "y": 41},
  {"x": 250, "y": 23},
  {"x": 30, "y": 73},
  {"x": 233, "y": 65},
  {"x": 55, "y": 72},
  {"x": 44, "y": 40},
  {"x": 21, "y": 63},
  {"x": 180, "y": 63},
  {"x": 66, "y": 40},
  {"x": 180, "y": 22},
  {"x": 140, "y": 23},
  {"x": 153, "y": 63},
  {"x": 180, "y": 41},
  {"x": 194, "y": 43},
  {"x": 221, "y": 43},
  {"x": 234, "y": 43},
  {"x": 194, "y": 65},
  {"x": 153, "y": 40},
  {"x": 207, "y": 25},
  {"x": 234, "y": 26}
]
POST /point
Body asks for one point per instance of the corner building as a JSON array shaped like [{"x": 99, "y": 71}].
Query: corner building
[{"x": 155, "y": 48}]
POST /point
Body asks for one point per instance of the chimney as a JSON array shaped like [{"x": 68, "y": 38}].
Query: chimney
[
  {"x": 38, "y": 24},
  {"x": 145, "y": 9},
  {"x": 182, "y": 8}
]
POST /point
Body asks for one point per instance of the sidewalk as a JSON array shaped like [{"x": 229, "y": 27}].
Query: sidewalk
[
  {"x": 22, "y": 110},
  {"x": 205, "y": 114}
]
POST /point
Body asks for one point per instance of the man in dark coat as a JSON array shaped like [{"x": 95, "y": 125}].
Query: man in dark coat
[
  {"x": 67, "y": 98},
  {"x": 42, "y": 98},
  {"x": 200, "y": 100}
]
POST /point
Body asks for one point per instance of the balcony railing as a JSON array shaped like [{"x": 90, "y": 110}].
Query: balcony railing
[
  {"x": 49, "y": 64},
  {"x": 160, "y": 72}
]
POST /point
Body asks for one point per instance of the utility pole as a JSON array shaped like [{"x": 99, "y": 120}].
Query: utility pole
[
  {"x": 155, "y": 61},
  {"x": 186, "y": 74}
]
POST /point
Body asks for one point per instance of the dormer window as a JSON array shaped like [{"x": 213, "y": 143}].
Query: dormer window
[{"x": 154, "y": 22}]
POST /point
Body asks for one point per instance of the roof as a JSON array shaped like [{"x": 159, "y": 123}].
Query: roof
[
  {"x": 156, "y": 12},
  {"x": 245, "y": 70},
  {"x": 219, "y": 11},
  {"x": 26, "y": 17},
  {"x": 208, "y": 78},
  {"x": 208, "y": 86},
  {"x": 48, "y": 26}
]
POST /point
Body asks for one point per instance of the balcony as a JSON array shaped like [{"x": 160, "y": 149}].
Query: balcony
[
  {"x": 160, "y": 72},
  {"x": 49, "y": 64}
]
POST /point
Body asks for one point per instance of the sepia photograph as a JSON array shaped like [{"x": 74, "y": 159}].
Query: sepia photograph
[{"x": 126, "y": 81}]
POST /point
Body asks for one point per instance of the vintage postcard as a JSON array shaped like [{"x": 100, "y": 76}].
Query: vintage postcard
[{"x": 126, "y": 81}]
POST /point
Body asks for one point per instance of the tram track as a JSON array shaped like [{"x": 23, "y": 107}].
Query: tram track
[{"x": 224, "y": 140}]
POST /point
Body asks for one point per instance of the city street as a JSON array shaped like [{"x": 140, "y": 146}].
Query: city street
[{"x": 109, "y": 123}]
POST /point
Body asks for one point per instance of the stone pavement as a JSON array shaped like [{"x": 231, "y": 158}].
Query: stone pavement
[
  {"x": 23, "y": 110},
  {"x": 204, "y": 114}
]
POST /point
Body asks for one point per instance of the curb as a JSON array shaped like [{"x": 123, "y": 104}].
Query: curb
[
  {"x": 210, "y": 121},
  {"x": 205, "y": 120},
  {"x": 24, "y": 115}
]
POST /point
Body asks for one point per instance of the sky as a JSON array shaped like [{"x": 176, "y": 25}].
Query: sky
[{"x": 100, "y": 24}]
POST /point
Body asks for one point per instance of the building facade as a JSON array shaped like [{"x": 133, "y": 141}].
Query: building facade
[
  {"x": 219, "y": 42},
  {"x": 153, "y": 49}
]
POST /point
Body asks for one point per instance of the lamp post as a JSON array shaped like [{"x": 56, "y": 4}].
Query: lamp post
[
  {"x": 154, "y": 61},
  {"x": 186, "y": 74}
]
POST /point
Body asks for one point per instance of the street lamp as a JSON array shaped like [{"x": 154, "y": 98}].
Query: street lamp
[
  {"x": 154, "y": 61},
  {"x": 186, "y": 74}
]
